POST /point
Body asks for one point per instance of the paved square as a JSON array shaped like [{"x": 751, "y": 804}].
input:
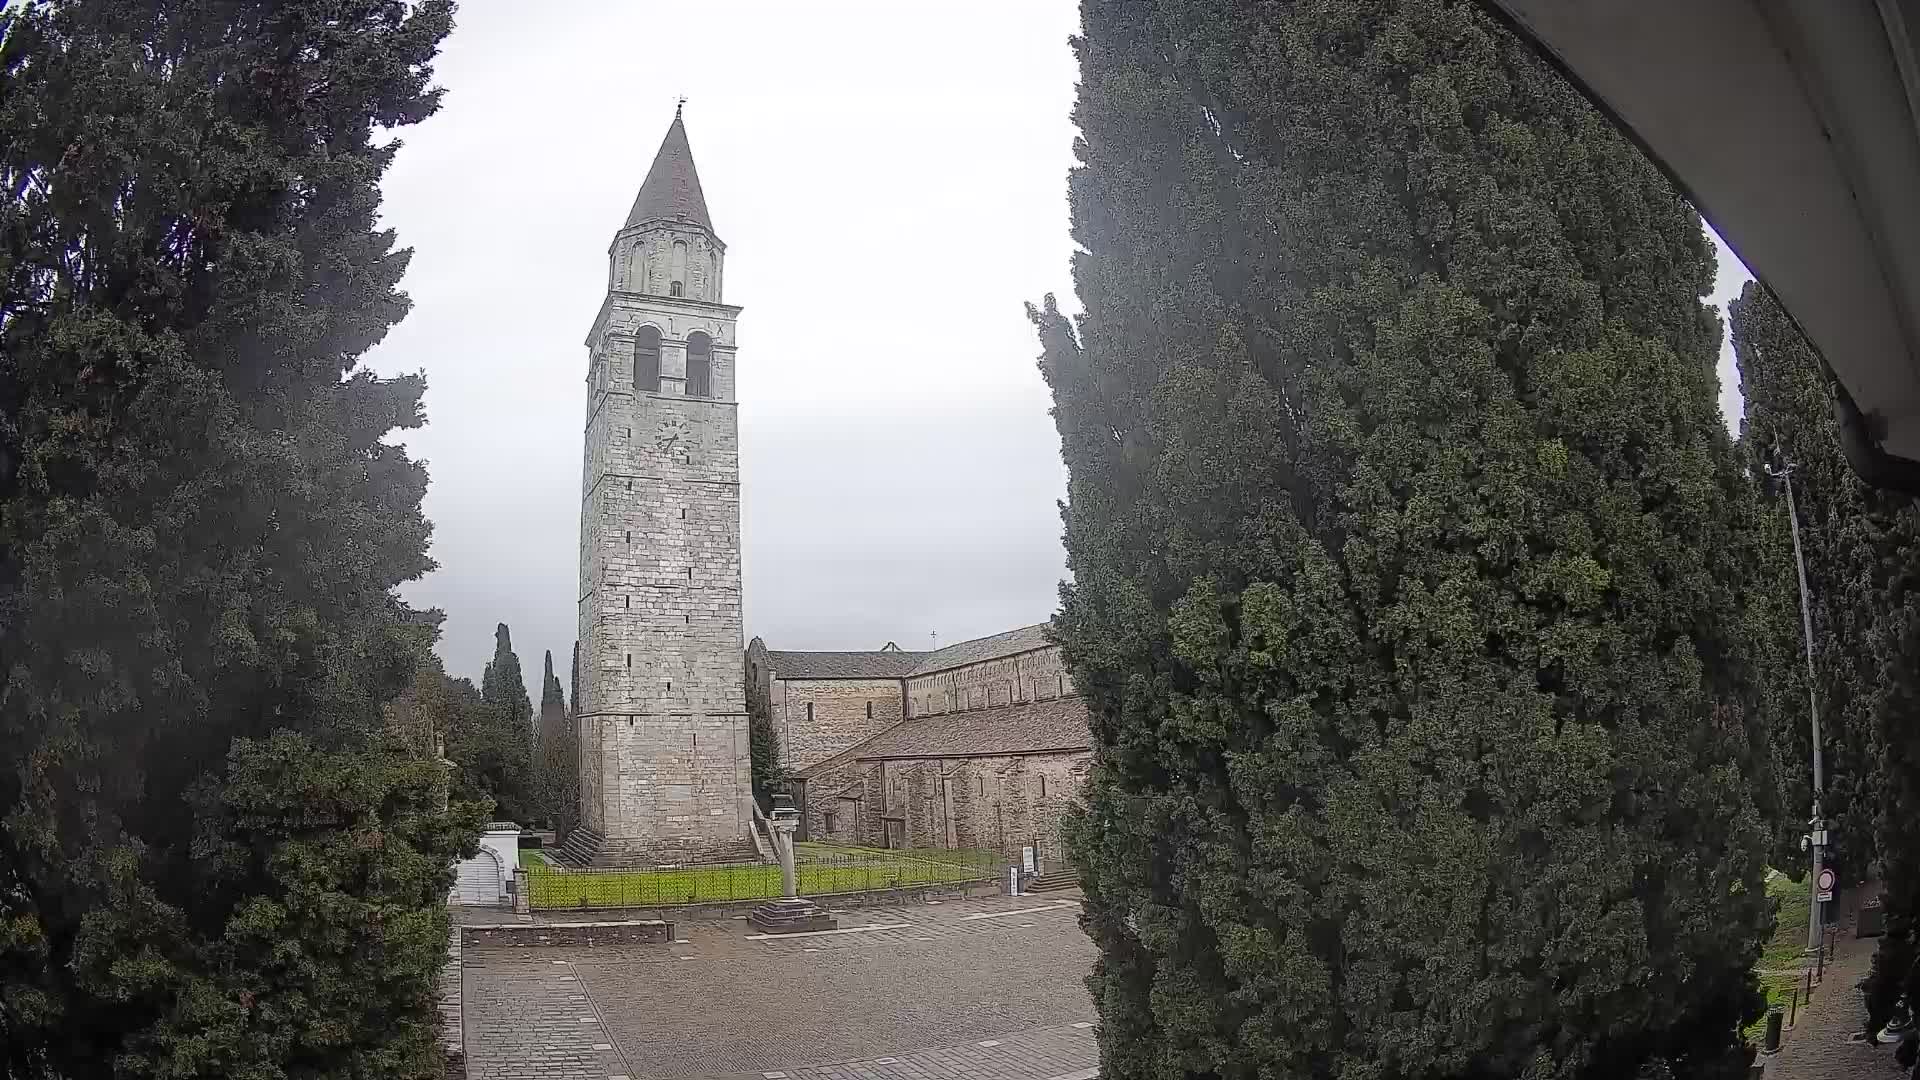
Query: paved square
[{"x": 988, "y": 988}]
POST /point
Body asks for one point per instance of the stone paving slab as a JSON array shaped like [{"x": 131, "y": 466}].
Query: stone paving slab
[
  {"x": 718, "y": 1002},
  {"x": 1062, "y": 1052}
]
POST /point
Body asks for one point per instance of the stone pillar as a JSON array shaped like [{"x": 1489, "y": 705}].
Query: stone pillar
[
  {"x": 783, "y": 844},
  {"x": 792, "y": 913}
]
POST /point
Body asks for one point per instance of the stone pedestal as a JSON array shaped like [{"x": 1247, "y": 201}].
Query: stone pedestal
[{"x": 791, "y": 915}]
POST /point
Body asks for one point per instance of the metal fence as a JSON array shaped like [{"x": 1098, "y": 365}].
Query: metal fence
[{"x": 822, "y": 871}]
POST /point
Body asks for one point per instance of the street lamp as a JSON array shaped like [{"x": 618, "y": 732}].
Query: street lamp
[{"x": 1816, "y": 839}]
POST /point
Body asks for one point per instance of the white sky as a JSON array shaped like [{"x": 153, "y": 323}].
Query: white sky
[{"x": 890, "y": 179}]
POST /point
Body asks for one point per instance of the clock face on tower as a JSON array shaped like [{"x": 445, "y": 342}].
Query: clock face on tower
[{"x": 672, "y": 438}]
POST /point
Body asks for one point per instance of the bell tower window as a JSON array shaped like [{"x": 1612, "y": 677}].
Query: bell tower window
[
  {"x": 646, "y": 360},
  {"x": 678, "y": 274},
  {"x": 699, "y": 365}
]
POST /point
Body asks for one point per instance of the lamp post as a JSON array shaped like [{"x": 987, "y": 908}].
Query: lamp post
[{"x": 1816, "y": 828}]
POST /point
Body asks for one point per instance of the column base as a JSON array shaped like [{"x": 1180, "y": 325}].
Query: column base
[{"x": 791, "y": 915}]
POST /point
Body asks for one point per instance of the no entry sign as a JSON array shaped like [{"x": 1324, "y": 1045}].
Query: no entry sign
[{"x": 1823, "y": 886}]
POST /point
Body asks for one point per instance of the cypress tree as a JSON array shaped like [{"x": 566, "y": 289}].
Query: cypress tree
[
  {"x": 491, "y": 735},
  {"x": 573, "y": 690},
  {"x": 214, "y": 861},
  {"x": 501, "y": 684},
  {"x": 1406, "y": 539},
  {"x": 1850, "y": 537},
  {"x": 556, "y": 757}
]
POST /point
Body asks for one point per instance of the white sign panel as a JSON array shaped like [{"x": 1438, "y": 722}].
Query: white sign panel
[{"x": 1026, "y": 859}]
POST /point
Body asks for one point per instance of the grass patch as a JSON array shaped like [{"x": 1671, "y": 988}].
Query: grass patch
[
  {"x": 1783, "y": 957},
  {"x": 822, "y": 869}
]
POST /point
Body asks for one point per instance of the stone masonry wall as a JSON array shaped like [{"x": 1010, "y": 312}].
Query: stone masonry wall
[
  {"x": 845, "y": 712},
  {"x": 664, "y": 760},
  {"x": 992, "y": 803},
  {"x": 1038, "y": 675}
]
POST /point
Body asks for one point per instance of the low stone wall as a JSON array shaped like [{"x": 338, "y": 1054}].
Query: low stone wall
[{"x": 608, "y": 932}]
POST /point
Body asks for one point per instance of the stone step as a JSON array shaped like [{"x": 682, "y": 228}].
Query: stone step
[{"x": 1053, "y": 881}]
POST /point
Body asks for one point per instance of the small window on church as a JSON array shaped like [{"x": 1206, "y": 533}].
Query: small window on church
[
  {"x": 830, "y": 821},
  {"x": 626, "y": 601},
  {"x": 699, "y": 365},
  {"x": 646, "y": 360},
  {"x": 869, "y": 710},
  {"x": 675, "y": 289},
  {"x": 809, "y": 712},
  {"x": 1043, "y": 786}
]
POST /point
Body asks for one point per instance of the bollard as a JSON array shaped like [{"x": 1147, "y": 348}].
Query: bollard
[{"x": 1772, "y": 1043}]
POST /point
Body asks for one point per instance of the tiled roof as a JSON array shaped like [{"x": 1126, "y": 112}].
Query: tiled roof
[
  {"x": 1025, "y": 639},
  {"x": 1030, "y": 727},
  {"x": 672, "y": 187},
  {"x": 887, "y": 664}
]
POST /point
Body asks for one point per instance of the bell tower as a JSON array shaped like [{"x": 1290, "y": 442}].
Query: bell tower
[{"x": 662, "y": 720}]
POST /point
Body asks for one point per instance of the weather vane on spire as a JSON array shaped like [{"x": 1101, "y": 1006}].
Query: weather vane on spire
[{"x": 678, "y": 104}]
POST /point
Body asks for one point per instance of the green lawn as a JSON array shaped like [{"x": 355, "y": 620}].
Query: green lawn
[
  {"x": 1781, "y": 960},
  {"x": 823, "y": 869}
]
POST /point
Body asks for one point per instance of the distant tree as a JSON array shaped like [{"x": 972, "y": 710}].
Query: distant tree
[
  {"x": 573, "y": 685},
  {"x": 556, "y": 757},
  {"x": 763, "y": 743},
  {"x": 501, "y": 684},
  {"x": 489, "y": 752},
  {"x": 1407, "y": 548},
  {"x": 215, "y": 861}
]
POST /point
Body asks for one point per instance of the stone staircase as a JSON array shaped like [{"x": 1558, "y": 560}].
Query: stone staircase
[
  {"x": 582, "y": 847},
  {"x": 1059, "y": 880}
]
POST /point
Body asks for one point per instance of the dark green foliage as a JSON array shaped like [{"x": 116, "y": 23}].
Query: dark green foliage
[
  {"x": 763, "y": 743},
  {"x": 501, "y": 684},
  {"x": 573, "y": 686},
  {"x": 492, "y": 753},
  {"x": 556, "y": 765},
  {"x": 1851, "y": 537},
  {"x": 214, "y": 861},
  {"x": 1407, "y": 543}
]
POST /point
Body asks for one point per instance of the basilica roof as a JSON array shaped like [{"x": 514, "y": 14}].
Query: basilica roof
[
  {"x": 979, "y": 650},
  {"x": 872, "y": 664},
  {"x": 1033, "y": 727},
  {"x": 672, "y": 188}
]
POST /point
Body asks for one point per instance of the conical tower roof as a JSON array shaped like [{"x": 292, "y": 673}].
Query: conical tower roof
[{"x": 672, "y": 187}]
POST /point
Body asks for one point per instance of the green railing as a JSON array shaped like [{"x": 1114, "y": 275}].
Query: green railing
[{"x": 822, "y": 871}]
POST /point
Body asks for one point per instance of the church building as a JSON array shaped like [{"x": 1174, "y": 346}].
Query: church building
[{"x": 978, "y": 745}]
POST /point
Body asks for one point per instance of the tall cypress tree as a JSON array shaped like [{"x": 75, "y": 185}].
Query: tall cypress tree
[
  {"x": 1851, "y": 537},
  {"x": 501, "y": 684},
  {"x": 213, "y": 862},
  {"x": 1406, "y": 542},
  {"x": 556, "y": 759}
]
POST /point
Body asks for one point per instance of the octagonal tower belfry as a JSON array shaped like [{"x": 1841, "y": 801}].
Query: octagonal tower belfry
[{"x": 662, "y": 718}]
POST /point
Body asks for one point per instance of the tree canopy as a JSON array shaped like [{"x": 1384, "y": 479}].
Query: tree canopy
[
  {"x": 215, "y": 860},
  {"x": 1407, "y": 545}
]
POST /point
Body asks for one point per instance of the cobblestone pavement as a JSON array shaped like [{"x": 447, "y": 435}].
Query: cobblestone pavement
[
  {"x": 992, "y": 986},
  {"x": 1819, "y": 1046}
]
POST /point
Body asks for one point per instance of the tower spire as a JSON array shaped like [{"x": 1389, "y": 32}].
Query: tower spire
[{"x": 672, "y": 188}]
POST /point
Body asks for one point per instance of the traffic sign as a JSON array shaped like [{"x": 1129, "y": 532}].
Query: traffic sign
[{"x": 1823, "y": 886}]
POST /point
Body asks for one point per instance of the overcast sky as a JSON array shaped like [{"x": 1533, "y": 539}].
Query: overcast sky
[{"x": 890, "y": 181}]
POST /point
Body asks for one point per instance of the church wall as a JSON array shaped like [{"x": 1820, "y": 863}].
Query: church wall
[
  {"x": 1030, "y": 676},
  {"x": 845, "y": 712},
  {"x": 990, "y": 803}
]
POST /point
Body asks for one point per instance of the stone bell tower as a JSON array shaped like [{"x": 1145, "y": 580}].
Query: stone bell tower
[{"x": 662, "y": 720}]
